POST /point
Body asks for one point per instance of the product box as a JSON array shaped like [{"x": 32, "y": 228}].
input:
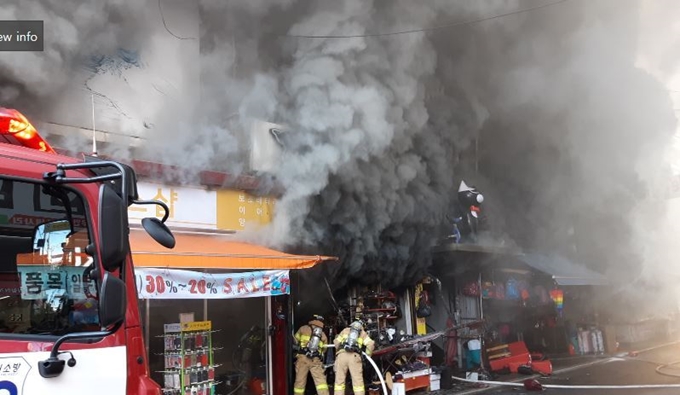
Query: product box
[{"x": 435, "y": 382}]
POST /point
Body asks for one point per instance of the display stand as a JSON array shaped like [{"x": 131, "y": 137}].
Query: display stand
[
  {"x": 407, "y": 366},
  {"x": 418, "y": 379},
  {"x": 371, "y": 306},
  {"x": 189, "y": 365},
  {"x": 410, "y": 365}
]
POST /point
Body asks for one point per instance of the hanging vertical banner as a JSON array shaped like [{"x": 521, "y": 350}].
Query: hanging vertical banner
[{"x": 186, "y": 284}]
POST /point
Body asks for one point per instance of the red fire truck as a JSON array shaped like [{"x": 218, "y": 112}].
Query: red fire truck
[{"x": 69, "y": 322}]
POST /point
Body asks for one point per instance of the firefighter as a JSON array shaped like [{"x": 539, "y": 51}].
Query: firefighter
[
  {"x": 310, "y": 343},
  {"x": 349, "y": 344}
]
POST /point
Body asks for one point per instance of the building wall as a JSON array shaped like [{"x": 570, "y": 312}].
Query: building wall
[{"x": 132, "y": 89}]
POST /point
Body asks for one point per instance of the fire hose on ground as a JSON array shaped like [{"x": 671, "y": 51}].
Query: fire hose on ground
[
  {"x": 660, "y": 367},
  {"x": 559, "y": 386},
  {"x": 377, "y": 371},
  {"x": 532, "y": 384}
]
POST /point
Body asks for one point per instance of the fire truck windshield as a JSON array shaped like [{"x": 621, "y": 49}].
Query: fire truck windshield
[{"x": 44, "y": 271}]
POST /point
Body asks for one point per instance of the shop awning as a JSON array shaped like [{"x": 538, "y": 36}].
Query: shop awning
[
  {"x": 206, "y": 251},
  {"x": 564, "y": 271}
]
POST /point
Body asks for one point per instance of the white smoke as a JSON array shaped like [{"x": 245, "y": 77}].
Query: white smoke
[{"x": 72, "y": 30}]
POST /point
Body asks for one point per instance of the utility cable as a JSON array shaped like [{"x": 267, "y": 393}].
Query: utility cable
[
  {"x": 160, "y": 10},
  {"x": 427, "y": 29}
]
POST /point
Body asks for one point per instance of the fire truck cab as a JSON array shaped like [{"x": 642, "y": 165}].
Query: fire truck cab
[{"x": 69, "y": 321}]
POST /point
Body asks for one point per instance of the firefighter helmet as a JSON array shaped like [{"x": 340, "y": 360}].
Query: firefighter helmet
[{"x": 317, "y": 317}]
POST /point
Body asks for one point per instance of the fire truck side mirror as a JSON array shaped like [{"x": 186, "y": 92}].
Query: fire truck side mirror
[
  {"x": 159, "y": 232},
  {"x": 113, "y": 242},
  {"x": 112, "y": 301}
]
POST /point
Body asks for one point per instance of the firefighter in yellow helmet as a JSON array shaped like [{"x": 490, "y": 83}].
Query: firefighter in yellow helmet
[
  {"x": 349, "y": 344},
  {"x": 310, "y": 343}
]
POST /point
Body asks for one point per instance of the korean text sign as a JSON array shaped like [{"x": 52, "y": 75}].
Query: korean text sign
[
  {"x": 186, "y": 284},
  {"x": 38, "y": 281}
]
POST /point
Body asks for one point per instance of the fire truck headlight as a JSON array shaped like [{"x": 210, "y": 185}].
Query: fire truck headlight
[{"x": 14, "y": 123}]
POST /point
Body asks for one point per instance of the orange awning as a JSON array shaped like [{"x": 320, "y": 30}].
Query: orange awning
[{"x": 205, "y": 251}]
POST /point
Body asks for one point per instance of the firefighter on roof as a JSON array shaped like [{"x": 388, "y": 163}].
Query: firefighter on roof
[
  {"x": 349, "y": 344},
  {"x": 310, "y": 344}
]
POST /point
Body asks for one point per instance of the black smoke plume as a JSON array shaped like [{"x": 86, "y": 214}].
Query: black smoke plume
[{"x": 569, "y": 131}]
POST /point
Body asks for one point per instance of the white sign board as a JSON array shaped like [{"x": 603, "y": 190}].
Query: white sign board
[
  {"x": 187, "y": 284},
  {"x": 189, "y": 207}
]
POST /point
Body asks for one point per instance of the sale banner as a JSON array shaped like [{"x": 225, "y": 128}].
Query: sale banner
[{"x": 155, "y": 283}]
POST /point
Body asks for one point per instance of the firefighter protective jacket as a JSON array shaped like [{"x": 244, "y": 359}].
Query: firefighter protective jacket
[
  {"x": 304, "y": 334},
  {"x": 363, "y": 340}
]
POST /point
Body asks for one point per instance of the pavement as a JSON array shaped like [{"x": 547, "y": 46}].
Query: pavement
[{"x": 636, "y": 365}]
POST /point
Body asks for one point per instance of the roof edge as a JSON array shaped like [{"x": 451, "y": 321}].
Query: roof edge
[{"x": 256, "y": 184}]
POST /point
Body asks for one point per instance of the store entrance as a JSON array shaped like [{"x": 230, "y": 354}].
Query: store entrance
[
  {"x": 238, "y": 335},
  {"x": 241, "y": 345}
]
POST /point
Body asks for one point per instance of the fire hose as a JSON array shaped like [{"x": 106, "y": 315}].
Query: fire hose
[
  {"x": 377, "y": 371},
  {"x": 661, "y": 367},
  {"x": 526, "y": 384},
  {"x": 558, "y": 386}
]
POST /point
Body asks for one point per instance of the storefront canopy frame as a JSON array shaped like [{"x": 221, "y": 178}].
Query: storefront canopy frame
[
  {"x": 564, "y": 271},
  {"x": 207, "y": 251}
]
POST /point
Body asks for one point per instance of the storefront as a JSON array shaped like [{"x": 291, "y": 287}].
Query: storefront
[
  {"x": 240, "y": 291},
  {"x": 540, "y": 301},
  {"x": 394, "y": 319}
]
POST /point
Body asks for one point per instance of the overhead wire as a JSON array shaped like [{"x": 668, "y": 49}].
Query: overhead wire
[
  {"x": 426, "y": 29},
  {"x": 160, "y": 10}
]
